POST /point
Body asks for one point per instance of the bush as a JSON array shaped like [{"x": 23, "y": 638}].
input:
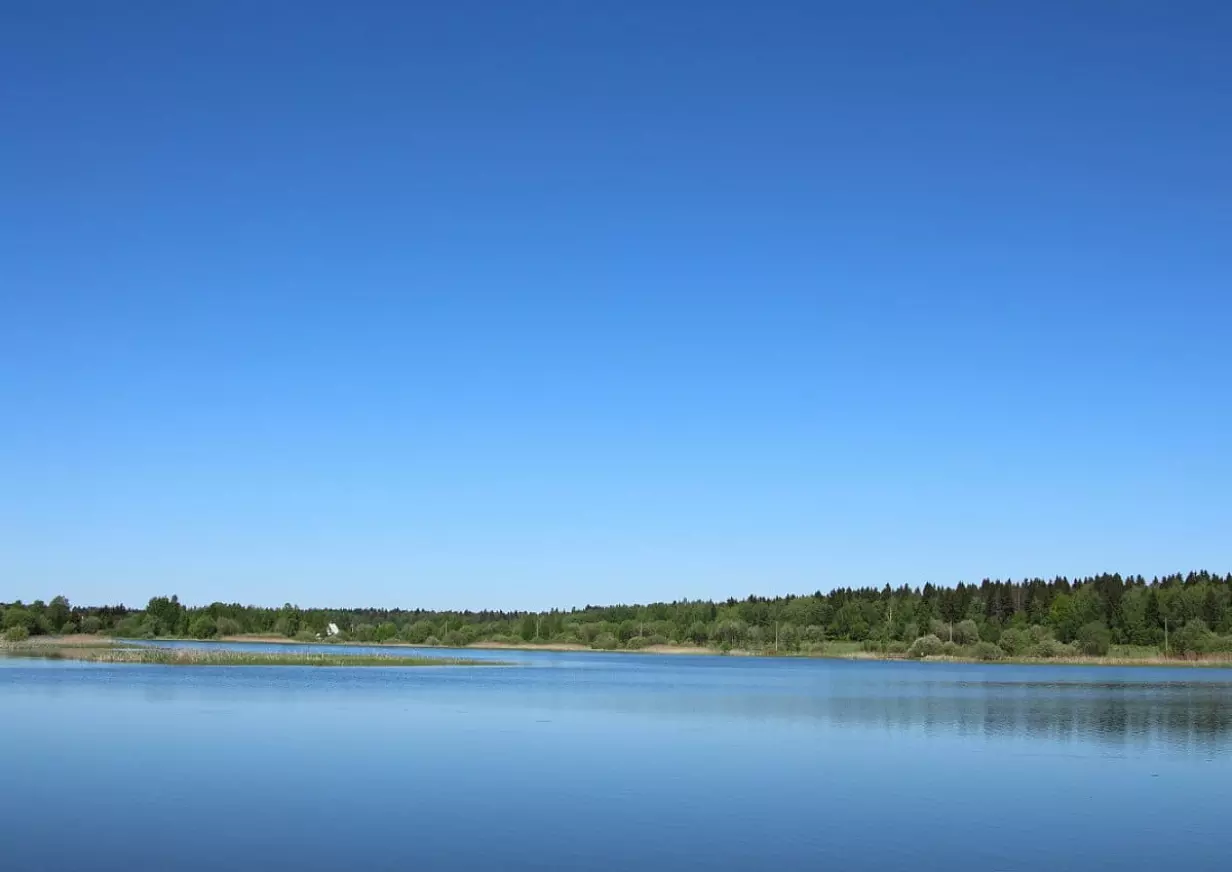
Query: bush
[
  {"x": 638, "y": 642},
  {"x": 16, "y": 616},
  {"x": 203, "y": 627},
  {"x": 431, "y": 641},
  {"x": 229, "y": 627},
  {"x": 1039, "y": 633},
  {"x": 988, "y": 651},
  {"x": 16, "y": 633},
  {"x": 966, "y": 633},
  {"x": 68, "y": 629},
  {"x": 301, "y": 636},
  {"x": 91, "y": 624},
  {"x": 1194, "y": 638},
  {"x": 951, "y": 649},
  {"x": 898, "y": 646},
  {"x": 1015, "y": 642},
  {"x": 605, "y": 642},
  {"x": 1050, "y": 648},
  {"x": 925, "y": 646},
  {"x": 1094, "y": 639}
]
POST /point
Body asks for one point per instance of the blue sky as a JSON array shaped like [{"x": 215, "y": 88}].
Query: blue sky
[{"x": 541, "y": 304}]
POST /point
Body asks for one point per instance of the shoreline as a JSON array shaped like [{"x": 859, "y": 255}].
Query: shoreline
[
  {"x": 115, "y": 651},
  {"x": 1156, "y": 662}
]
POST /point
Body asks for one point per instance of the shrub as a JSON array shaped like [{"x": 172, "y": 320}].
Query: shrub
[
  {"x": 1039, "y": 633},
  {"x": 1219, "y": 644},
  {"x": 951, "y": 649},
  {"x": 605, "y": 642},
  {"x": 897, "y": 646},
  {"x": 1015, "y": 642},
  {"x": 16, "y": 616},
  {"x": 16, "y": 633},
  {"x": 432, "y": 641},
  {"x": 68, "y": 629},
  {"x": 91, "y": 624},
  {"x": 229, "y": 627},
  {"x": 990, "y": 632},
  {"x": 1094, "y": 639},
  {"x": 1193, "y": 638},
  {"x": 203, "y": 627},
  {"x": 925, "y": 646},
  {"x": 988, "y": 651},
  {"x": 966, "y": 633},
  {"x": 1049, "y": 648},
  {"x": 301, "y": 636}
]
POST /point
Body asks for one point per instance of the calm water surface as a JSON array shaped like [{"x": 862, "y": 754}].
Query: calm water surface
[{"x": 613, "y": 762}]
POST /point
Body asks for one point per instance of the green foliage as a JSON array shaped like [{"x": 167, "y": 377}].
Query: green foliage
[
  {"x": 68, "y": 628},
  {"x": 386, "y": 632},
  {"x": 165, "y": 617},
  {"x": 925, "y": 646},
  {"x": 203, "y": 627},
  {"x": 1193, "y": 638},
  {"x": 1018, "y": 616},
  {"x": 1049, "y": 648},
  {"x": 16, "y": 633},
  {"x": 1094, "y": 639},
  {"x": 966, "y": 632},
  {"x": 988, "y": 651},
  {"x": 58, "y": 613},
  {"x": 17, "y": 616},
  {"x": 951, "y": 649},
  {"x": 1015, "y": 642}
]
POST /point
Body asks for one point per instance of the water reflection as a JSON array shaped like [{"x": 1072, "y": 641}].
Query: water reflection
[{"x": 1174, "y": 717}]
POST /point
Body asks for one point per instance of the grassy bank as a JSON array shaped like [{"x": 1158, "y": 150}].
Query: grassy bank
[
  {"x": 110, "y": 652},
  {"x": 212, "y": 653}
]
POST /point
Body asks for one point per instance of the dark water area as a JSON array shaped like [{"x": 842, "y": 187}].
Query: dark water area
[{"x": 613, "y": 762}]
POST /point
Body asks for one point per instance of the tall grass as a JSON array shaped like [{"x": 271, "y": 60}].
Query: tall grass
[{"x": 220, "y": 657}]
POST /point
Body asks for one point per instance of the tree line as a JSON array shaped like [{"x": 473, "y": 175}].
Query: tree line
[{"x": 1181, "y": 614}]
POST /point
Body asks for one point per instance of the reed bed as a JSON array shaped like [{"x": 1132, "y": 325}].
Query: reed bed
[{"x": 220, "y": 657}]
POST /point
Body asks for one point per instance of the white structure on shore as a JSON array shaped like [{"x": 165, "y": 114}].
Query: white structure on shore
[{"x": 332, "y": 630}]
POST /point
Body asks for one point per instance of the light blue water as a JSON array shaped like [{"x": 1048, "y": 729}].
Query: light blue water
[{"x": 612, "y": 762}]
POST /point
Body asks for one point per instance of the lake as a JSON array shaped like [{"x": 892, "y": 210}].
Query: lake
[{"x": 576, "y": 761}]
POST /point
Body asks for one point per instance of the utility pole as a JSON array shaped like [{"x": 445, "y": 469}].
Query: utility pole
[{"x": 1165, "y": 636}]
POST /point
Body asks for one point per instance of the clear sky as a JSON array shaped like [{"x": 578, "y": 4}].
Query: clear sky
[{"x": 538, "y": 304}]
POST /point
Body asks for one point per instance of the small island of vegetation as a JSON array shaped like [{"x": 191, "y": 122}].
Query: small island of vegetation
[
  {"x": 95, "y": 650},
  {"x": 1104, "y": 619}
]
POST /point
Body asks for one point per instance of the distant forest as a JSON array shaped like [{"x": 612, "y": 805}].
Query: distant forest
[{"x": 1181, "y": 615}]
